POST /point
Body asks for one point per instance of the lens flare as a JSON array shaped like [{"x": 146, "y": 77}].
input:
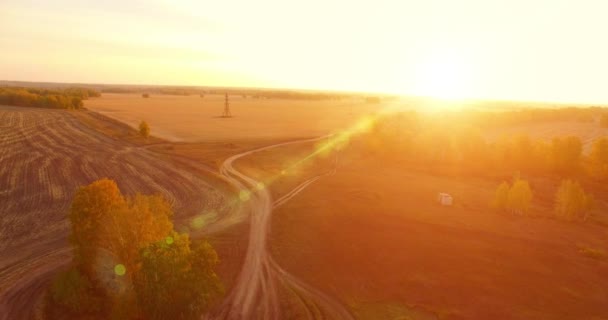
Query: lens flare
[{"x": 120, "y": 269}]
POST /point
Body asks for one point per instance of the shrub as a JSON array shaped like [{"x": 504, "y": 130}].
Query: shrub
[
  {"x": 597, "y": 254},
  {"x": 144, "y": 129},
  {"x": 145, "y": 95},
  {"x": 571, "y": 201}
]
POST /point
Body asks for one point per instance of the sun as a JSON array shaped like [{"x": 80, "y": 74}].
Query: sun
[{"x": 444, "y": 75}]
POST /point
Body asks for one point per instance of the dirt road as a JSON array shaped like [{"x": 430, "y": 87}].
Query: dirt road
[
  {"x": 256, "y": 292},
  {"x": 45, "y": 155}
]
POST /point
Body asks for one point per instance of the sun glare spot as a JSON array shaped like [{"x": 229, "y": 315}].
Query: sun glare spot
[
  {"x": 120, "y": 269},
  {"x": 244, "y": 195},
  {"x": 260, "y": 186},
  {"x": 444, "y": 74},
  {"x": 169, "y": 240},
  {"x": 198, "y": 222}
]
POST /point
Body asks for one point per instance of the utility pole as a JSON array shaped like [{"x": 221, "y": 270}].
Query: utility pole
[{"x": 227, "y": 113}]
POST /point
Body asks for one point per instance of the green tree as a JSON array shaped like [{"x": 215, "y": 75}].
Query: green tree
[
  {"x": 74, "y": 292},
  {"x": 519, "y": 197},
  {"x": 175, "y": 281},
  {"x": 571, "y": 201},
  {"x": 144, "y": 129}
]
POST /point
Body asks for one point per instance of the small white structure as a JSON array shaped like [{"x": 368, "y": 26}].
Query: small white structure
[{"x": 444, "y": 199}]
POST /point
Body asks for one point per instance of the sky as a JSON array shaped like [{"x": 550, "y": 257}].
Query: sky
[{"x": 545, "y": 50}]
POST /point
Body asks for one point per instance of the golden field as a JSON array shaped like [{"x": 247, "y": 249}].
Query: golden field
[{"x": 192, "y": 118}]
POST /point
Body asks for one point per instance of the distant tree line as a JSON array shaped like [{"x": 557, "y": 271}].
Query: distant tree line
[
  {"x": 243, "y": 93},
  {"x": 69, "y": 98},
  {"x": 460, "y": 145},
  {"x": 456, "y": 147},
  {"x": 485, "y": 119}
]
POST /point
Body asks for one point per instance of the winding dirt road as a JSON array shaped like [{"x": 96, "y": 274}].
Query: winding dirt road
[
  {"x": 256, "y": 292},
  {"x": 46, "y": 154}
]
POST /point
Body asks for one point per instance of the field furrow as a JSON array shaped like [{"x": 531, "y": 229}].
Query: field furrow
[{"x": 45, "y": 155}]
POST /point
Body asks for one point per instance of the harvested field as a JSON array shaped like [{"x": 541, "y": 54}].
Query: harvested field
[
  {"x": 45, "y": 155},
  {"x": 373, "y": 236},
  {"x": 192, "y": 118}
]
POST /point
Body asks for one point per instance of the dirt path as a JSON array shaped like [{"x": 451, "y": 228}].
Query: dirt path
[
  {"x": 45, "y": 155},
  {"x": 256, "y": 292}
]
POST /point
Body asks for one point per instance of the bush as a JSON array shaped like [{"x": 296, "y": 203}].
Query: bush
[
  {"x": 519, "y": 198},
  {"x": 597, "y": 254},
  {"x": 571, "y": 201},
  {"x": 145, "y": 95},
  {"x": 144, "y": 129}
]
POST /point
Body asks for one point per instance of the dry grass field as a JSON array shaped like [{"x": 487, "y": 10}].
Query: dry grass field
[
  {"x": 373, "y": 236},
  {"x": 192, "y": 118}
]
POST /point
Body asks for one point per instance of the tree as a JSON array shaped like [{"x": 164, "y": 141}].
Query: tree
[
  {"x": 598, "y": 159},
  {"x": 89, "y": 208},
  {"x": 571, "y": 201},
  {"x": 175, "y": 281},
  {"x": 566, "y": 154},
  {"x": 144, "y": 129},
  {"x": 43, "y": 98},
  {"x": 110, "y": 234},
  {"x": 519, "y": 197},
  {"x": 501, "y": 196},
  {"x": 74, "y": 292}
]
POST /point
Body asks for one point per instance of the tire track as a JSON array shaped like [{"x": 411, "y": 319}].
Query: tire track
[{"x": 255, "y": 293}]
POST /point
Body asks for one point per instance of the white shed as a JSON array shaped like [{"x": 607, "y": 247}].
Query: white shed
[{"x": 444, "y": 199}]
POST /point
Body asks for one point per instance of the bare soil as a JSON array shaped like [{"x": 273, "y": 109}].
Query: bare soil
[{"x": 373, "y": 236}]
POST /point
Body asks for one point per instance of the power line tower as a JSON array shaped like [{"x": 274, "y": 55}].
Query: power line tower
[{"x": 227, "y": 113}]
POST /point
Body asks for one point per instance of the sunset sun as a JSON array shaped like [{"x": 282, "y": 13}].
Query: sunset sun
[{"x": 444, "y": 75}]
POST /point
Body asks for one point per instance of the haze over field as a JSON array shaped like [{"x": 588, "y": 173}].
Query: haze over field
[
  {"x": 524, "y": 50},
  {"x": 316, "y": 160}
]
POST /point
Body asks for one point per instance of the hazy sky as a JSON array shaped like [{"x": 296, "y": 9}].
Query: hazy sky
[{"x": 520, "y": 49}]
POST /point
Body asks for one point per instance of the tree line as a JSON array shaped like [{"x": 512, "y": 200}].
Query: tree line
[
  {"x": 571, "y": 202},
  {"x": 69, "y": 98},
  {"x": 445, "y": 142},
  {"x": 129, "y": 263}
]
